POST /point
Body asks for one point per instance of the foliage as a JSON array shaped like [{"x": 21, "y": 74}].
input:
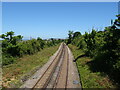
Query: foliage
[
  {"x": 89, "y": 79},
  {"x": 23, "y": 68},
  {"x": 76, "y": 34},
  {"x": 7, "y": 59},
  {"x": 103, "y": 47},
  {"x": 14, "y": 46},
  {"x": 70, "y": 38}
]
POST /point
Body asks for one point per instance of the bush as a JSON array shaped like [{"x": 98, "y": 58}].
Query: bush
[
  {"x": 7, "y": 59},
  {"x": 104, "y": 48},
  {"x": 13, "y": 46}
]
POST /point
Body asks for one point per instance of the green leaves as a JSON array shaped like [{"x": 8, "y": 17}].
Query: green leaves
[
  {"x": 13, "y": 46},
  {"x": 8, "y": 37},
  {"x": 102, "y": 46}
]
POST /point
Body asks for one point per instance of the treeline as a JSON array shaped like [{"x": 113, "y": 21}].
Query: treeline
[
  {"x": 14, "y": 46},
  {"x": 103, "y": 47}
]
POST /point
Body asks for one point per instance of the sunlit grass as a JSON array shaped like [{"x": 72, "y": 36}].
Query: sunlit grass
[
  {"x": 26, "y": 66},
  {"x": 89, "y": 79}
]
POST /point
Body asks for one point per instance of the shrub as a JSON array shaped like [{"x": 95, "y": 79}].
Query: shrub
[{"x": 7, "y": 59}]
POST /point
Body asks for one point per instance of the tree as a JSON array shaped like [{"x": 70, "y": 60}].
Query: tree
[
  {"x": 91, "y": 42},
  {"x": 76, "y": 34},
  {"x": 11, "y": 33},
  {"x": 70, "y": 37},
  {"x": 42, "y": 43},
  {"x": 15, "y": 39},
  {"x": 3, "y": 36},
  {"x": 39, "y": 39}
]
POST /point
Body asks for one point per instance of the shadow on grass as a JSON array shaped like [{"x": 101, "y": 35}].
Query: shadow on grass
[
  {"x": 83, "y": 55},
  {"x": 101, "y": 64},
  {"x": 104, "y": 69}
]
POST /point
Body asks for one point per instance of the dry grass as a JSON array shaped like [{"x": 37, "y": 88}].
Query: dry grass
[{"x": 25, "y": 66}]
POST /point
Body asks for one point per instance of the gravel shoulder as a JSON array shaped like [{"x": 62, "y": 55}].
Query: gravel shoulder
[
  {"x": 73, "y": 76},
  {"x": 33, "y": 79}
]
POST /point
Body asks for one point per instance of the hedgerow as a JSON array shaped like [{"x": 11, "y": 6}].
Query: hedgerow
[{"x": 14, "y": 46}]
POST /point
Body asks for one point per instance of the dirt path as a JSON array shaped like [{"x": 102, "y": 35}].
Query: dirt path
[{"x": 59, "y": 72}]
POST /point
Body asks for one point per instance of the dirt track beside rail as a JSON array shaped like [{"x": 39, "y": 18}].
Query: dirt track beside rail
[{"x": 59, "y": 72}]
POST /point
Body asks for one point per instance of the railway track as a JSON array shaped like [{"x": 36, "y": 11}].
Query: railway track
[
  {"x": 60, "y": 72},
  {"x": 56, "y": 74}
]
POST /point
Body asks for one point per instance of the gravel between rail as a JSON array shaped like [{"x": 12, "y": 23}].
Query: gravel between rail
[{"x": 59, "y": 72}]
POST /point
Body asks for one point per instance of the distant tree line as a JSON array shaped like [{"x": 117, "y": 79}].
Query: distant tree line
[
  {"x": 14, "y": 46},
  {"x": 102, "y": 46}
]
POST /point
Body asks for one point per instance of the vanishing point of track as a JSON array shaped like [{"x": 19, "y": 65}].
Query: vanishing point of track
[{"x": 56, "y": 74}]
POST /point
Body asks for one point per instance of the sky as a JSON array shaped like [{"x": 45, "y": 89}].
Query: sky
[
  {"x": 60, "y": 0},
  {"x": 54, "y": 19}
]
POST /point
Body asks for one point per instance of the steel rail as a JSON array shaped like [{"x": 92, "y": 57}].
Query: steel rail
[
  {"x": 58, "y": 54},
  {"x": 67, "y": 65}
]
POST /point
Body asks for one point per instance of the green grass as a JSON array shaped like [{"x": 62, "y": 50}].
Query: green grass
[
  {"x": 88, "y": 78},
  {"x": 26, "y": 66}
]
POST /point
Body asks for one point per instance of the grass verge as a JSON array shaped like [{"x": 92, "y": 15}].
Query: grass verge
[
  {"x": 15, "y": 74},
  {"x": 88, "y": 78}
]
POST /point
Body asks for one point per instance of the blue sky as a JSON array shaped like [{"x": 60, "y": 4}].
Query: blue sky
[{"x": 50, "y": 19}]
